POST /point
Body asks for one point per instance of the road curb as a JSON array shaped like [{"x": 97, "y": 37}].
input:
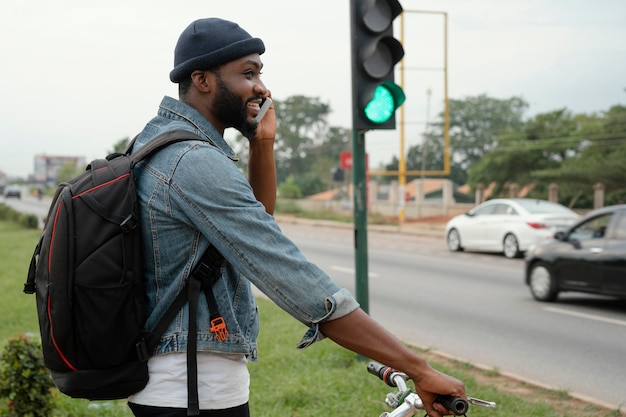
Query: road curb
[{"x": 431, "y": 230}]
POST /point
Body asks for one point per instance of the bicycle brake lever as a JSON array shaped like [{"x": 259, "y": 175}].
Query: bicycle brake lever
[{"x": 481, "y": 403}]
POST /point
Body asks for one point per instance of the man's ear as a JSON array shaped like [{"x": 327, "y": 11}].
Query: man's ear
[{"x": 203, "y": 80}]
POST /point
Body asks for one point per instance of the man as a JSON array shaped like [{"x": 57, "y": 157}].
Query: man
[{"x": 192, "y": 194}]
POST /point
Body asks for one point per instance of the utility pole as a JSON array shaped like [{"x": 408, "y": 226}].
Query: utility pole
[{"x": 402, "y": 172}]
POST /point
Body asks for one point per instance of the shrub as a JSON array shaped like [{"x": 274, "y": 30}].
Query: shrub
[
  {"x": 289, "y": 189},
  {"x": 29, "y": 221},
  {"x": 24, "y": 380}
]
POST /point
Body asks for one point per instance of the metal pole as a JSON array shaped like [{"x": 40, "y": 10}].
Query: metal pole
[
  {"x": 425, "y": 143},
  {"x": 446, "y": 113},
  {"x": 359, "y": 185}
]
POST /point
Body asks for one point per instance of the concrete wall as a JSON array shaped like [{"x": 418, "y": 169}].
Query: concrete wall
[
  {"x": 412, "y": 211},
  {"x": 392, "y": 205},
  {"x": 419, "y": 207}
]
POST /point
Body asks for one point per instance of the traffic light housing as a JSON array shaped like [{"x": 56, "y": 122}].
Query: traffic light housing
[
  {"x": 375, "y": 52},
  {"x": 339, "y": 175}
]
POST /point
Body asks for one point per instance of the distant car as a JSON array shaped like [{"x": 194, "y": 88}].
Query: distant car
[
  {"x": 507, "y": 225},
  {"x": 589, "y": 257},
  {"x": 12, "y": 191}
]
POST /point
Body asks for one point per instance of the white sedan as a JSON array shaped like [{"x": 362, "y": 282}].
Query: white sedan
[{"x": 508, "y": 225}]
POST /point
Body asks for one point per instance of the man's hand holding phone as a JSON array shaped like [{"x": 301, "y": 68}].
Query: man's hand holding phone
[
  {"x": 266, "y": 121},
  {"x": 261, "y": 164}
]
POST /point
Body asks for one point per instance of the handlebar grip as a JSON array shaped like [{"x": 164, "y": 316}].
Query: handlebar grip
[
  {"x": 376, "y": 368},
  {"x": 455, "y": 404},
  {"x": 385, "y": 373}
]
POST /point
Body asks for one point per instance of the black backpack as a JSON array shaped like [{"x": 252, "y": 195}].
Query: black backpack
[{"x": 87, "y": 276}]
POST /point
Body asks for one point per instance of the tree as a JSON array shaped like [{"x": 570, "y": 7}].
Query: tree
[
  {"x": 600, "y": 157},
  {"x": 289, "y": 189},
  {"x": 306, "y": 147},
  {"x": 68, "y": 171},
  {"x": 543, "y": 143},
  {"x": 421, "y": 157},
  {"x": 510, "y": 162},
  {"x": 120, "y": 145},
  {"x": 427, "y": 156},
  {"x": 558, "y": 134},
  {"x": 475, "y": 122},
  {"x": 574, "y": 151},
  {"x": 321, "y": 160},
  {"x": 301, "y": 125}
]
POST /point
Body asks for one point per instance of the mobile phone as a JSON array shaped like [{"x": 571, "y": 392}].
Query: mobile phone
[{"x": 265, "y": 105}]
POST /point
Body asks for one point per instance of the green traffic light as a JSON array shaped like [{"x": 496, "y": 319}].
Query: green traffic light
[{"x": 387, "y": 98}]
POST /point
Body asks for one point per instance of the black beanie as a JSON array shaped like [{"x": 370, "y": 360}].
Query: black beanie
[{"x": 208, "y": 43}]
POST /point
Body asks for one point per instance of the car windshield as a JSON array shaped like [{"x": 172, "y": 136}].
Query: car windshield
[
  {"x": 592, "y": 229},
  {"x": 542, "y": 206}
]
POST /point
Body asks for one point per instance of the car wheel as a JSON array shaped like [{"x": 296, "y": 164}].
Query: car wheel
[
  {"x": 542, "y": 284},
  {"x": 510, "y": 246},
  {"x": 454, "y": 241}
]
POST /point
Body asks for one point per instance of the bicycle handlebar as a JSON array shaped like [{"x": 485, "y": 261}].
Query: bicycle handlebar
[
  {"x": 457, "y": 405},
  {"x": 386, "y": 374},
  {"x": 406, "y": 402}
]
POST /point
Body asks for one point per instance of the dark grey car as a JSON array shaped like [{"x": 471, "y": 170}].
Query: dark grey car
[
  {"x": 590, "y": 257},
  {"x": 12, "y": 191}
]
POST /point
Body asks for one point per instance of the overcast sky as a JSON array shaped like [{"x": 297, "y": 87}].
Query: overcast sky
[{"x": 78, "y": 75}]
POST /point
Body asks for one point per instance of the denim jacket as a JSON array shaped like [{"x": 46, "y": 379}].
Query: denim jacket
[{"x": 191, "y": 194}]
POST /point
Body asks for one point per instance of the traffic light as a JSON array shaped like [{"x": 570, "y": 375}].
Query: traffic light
[
  {"x": 375, "y": 52},
  {"x": 338, "y": 174}
]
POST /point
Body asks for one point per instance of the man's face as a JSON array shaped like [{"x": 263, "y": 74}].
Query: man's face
[
  {"x": 232, "y": 109},
  {"x": 239, "y": 92}
]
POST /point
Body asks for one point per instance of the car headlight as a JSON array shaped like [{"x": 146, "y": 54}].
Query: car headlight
[{"x": 533, "y": 251}]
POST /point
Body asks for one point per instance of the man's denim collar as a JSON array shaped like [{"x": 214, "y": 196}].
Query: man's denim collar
[{"x": 176, "y": 109}]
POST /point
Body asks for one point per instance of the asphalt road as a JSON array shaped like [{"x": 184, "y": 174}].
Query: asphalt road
[{"x": 475, "y": 307}]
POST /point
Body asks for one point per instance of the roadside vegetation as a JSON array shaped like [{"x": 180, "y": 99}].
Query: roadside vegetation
[
  {"x": 493, "y": 142},
  {"x": 323, "y": 379},
  {"x": 26, "y": 220}
]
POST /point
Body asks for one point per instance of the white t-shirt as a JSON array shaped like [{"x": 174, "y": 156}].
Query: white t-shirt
[{"x": 223, "y": 381}]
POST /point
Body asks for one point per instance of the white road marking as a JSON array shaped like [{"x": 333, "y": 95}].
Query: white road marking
[
  {"x": 585, "y": 316},
  {"x": 351, "y": 271}
]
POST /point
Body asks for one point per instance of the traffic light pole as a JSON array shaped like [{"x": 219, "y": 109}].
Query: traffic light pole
[
  {"x": 375, "y": 98},
  {"x": 359, "y": 185}
]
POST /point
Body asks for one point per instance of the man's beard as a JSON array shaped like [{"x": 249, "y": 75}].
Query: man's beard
[{"x": 231, "y": 111}]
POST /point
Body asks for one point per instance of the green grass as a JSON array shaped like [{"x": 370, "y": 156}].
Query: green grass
[
  {"x": 323, "y": 379},
  {"x": 18, "y": 311}
]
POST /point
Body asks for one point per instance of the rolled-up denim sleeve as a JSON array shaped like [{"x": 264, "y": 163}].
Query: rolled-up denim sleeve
[
  {"x": 227, "y": 213},
  {"x": 340, "y": 304}
]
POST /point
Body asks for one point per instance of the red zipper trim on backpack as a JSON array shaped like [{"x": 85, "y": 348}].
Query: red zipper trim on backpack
[
  {"x": 104, "y": 184},
  {"x": 54, "y": 342}
]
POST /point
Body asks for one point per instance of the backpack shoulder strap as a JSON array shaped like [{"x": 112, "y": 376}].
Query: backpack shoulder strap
[
  {"x": 159, "y": 142},
  {"x": 206, "y": 272}
]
